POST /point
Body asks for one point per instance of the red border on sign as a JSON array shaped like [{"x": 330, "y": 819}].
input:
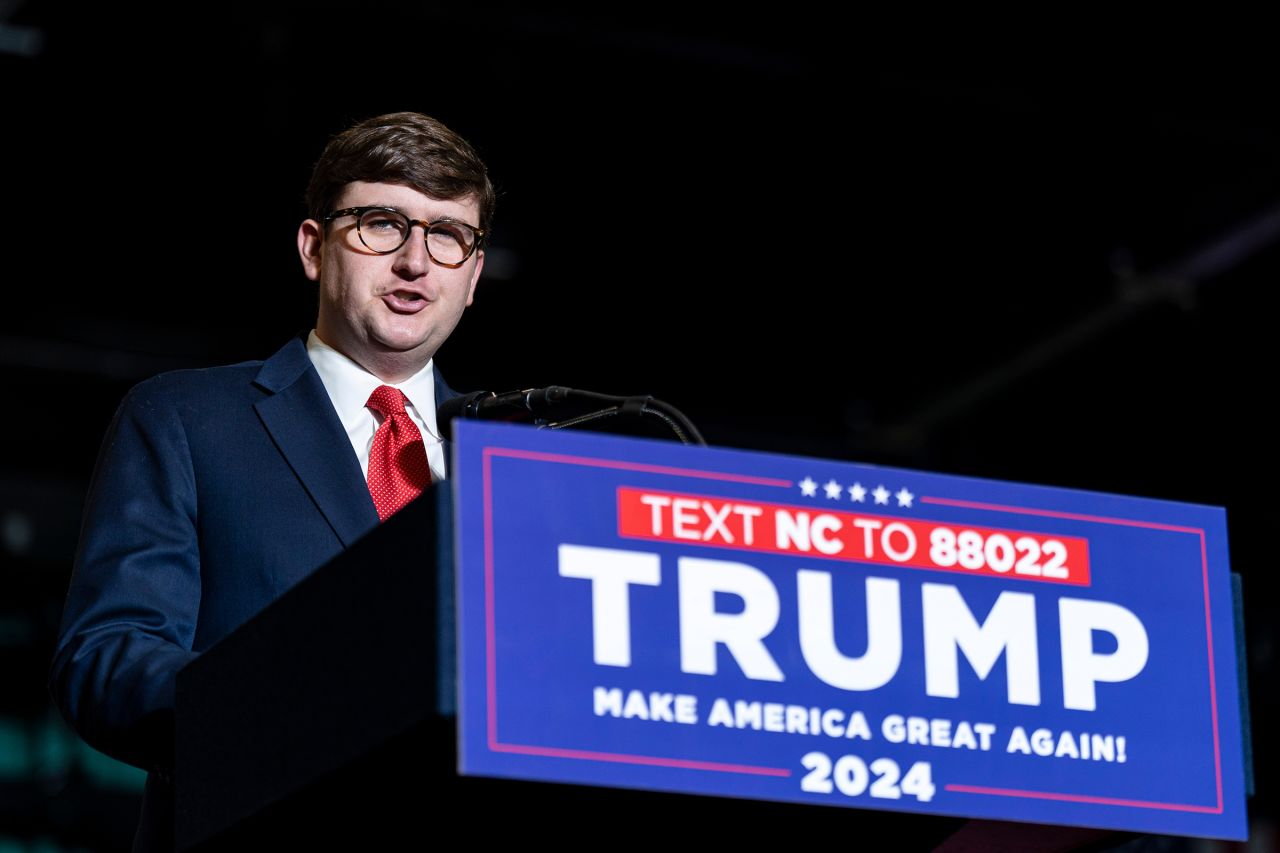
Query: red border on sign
[{"x": 491, "y": 664}]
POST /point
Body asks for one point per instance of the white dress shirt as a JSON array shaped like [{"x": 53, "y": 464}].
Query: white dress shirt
[{"x": 349, "y": 386}]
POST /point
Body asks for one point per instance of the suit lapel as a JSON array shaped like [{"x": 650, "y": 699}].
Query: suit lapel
[
  {"x": 303, "y": 424},
  {"x": 444, "y": 392}
]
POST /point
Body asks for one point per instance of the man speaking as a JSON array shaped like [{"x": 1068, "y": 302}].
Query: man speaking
[{"x": 216, "y": 490}]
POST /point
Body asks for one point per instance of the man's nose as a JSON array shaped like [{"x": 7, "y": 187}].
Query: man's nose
[{"x": 412, "y": 258}]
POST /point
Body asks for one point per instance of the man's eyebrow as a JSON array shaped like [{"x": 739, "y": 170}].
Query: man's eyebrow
[{"x": 444, "y": 218}]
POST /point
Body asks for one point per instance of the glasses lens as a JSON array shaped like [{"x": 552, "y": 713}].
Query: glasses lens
[
  {"x": 383, "y": 230},
  {"x": 450, "y": 242}
]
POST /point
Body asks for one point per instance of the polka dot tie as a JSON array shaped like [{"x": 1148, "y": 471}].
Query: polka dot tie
[{"x": 398, "y": 470}]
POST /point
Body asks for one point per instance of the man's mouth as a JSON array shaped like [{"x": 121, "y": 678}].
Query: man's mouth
[{"x": 404, "y": 301}]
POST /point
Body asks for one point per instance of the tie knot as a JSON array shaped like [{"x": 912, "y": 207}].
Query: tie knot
[{"x": 387, "y": 400}]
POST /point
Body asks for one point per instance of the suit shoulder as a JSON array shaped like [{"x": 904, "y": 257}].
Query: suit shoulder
[{"x": 198, "y": 387}]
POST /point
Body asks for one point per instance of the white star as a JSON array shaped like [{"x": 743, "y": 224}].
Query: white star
[
  {"x": 904, "y": 497},
  {"x": 833, "y": 489},
  {"x": 858, "y": 493},
  {"x": 808, "y": 487},
  {"x": 881, "y": 494}
]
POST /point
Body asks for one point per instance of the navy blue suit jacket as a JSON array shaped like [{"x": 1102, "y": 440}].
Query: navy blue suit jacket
[{"x": 215, "y": 491}]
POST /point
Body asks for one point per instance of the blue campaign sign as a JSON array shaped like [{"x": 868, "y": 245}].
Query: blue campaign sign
[{"x": 640, "y": 614}]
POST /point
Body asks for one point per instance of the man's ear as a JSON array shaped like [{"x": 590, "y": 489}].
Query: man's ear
[
  {"x": 310, "y": 239},
  {"x": 475, "y": 275}
]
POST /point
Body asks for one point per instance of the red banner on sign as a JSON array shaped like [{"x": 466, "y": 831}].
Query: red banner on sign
[{"x": 855, "y": 537}]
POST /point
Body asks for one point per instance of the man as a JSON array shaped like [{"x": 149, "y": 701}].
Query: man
[{"x": 216, "y": 490}]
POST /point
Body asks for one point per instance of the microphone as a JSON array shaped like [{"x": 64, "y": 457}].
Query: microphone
[
  {"x": 533, "y": 404},
  {"x": 508, "y": 406}
]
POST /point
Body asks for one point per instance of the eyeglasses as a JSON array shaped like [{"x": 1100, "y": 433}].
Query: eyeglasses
[{"x": 384, "y": 230}]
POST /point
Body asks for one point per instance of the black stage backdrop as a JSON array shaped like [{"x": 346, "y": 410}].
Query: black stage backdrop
[{"x": 1038, "y": 250}]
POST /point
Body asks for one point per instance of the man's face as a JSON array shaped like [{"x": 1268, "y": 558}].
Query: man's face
[{"x": 389, "y": 313}]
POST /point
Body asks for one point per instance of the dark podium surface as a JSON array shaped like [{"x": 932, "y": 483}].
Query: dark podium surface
[
  {"x": 325, "y": 709},
  {"x": 327, "y": 719}
]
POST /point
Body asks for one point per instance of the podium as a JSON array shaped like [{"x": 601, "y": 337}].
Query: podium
[
  {"x": 328, "y": 719},
  {"x": 325, "y": 716}
]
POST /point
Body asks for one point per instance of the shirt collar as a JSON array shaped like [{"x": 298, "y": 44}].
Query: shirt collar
[{"x": 349, "y": 386}]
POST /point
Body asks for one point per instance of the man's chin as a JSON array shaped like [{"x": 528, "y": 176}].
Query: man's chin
[{"x": 392, "y": 346}]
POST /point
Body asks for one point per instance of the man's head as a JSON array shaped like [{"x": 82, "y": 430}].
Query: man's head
[
  {"x": 390, "y": 310},
  {"x": 401, "y": 148}
]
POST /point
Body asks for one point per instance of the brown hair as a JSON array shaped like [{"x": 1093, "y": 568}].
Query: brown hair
[{"x": 401, "y": 148}]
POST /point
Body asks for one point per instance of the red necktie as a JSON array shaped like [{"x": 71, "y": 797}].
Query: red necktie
[{"x": 398, "y": 470}]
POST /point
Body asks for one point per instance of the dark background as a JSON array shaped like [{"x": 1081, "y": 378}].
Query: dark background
[{"x": 1038, "y": 250}]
